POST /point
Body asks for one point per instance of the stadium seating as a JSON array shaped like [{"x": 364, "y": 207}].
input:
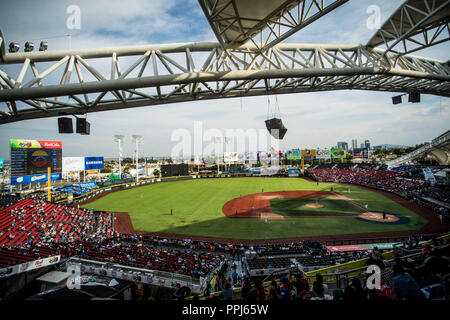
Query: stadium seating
[{"x": 32, "y": 221}]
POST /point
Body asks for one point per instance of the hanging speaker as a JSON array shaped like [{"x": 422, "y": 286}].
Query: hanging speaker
[
  {"x": 83, "y": 127},
  {"x": 414, "y": 97},
  {"x": 397, "y": 99},
  {"x": 276, "y": 128},
  {"x": 65, "y": 125}
]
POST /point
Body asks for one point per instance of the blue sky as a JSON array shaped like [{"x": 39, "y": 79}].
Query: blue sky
[{"x": 313, "y": 119}]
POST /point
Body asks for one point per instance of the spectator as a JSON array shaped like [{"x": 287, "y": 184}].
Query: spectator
[
  {"x": 227, "y": 293},
  {"x": 273, "y": 291},
  {"x": 405, "y": 286},
  {"x": 354, "y": 291}
]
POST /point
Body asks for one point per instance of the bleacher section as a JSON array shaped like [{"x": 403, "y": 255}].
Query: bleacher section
[{"x": 32, "y": 221}]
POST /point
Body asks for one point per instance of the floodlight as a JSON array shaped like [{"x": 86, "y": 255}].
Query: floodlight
[
  {"x": 43, "y": 46},
  {"x": 29, "y": 46},
  {"x": 119, "y": 139},
  {"x": 14, "y": 47}
]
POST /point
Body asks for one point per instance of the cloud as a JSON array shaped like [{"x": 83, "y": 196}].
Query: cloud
[{"x": 313, "y": 119}]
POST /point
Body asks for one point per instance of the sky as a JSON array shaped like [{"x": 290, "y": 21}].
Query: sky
[{"x": 313, "y": 119}]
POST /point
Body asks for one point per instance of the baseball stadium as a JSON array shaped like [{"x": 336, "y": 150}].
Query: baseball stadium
[
  {"x": 263, "y": 208},
  {"x": 87, "y": 216}
]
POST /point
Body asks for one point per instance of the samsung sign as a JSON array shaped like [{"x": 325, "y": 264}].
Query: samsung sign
[{"x": 93, "y": 163}]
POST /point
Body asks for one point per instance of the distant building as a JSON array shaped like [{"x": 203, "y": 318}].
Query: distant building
[
  {"x": 362, "y": 145},
  {"x": 354, "y": 144},
  {"x": 367, "y": 144},
  {"x": 388, "y": 146},
  {"x": 342, "y": 145}
]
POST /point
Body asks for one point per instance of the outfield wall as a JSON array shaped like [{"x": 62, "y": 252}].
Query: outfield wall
[{"x": 127, "y": 185}]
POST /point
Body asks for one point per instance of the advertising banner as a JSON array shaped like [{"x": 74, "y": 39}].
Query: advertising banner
[
  {"x": 294, "y": 154},
  {"x": 35, "y": 178},
  {"x": 309, "y": 153},
  {"x": 338, "y": 153},
  {"x": 27, "y": 266},
  {"x": 91, "y": 163},
  {"x": 31, "y": 158},
  {"x": 323, "y": 154},
  {"x": 263, "y": 156},
  {"x": 361, "y": 153},
  {"x": 230, "y": 157},
  {"x": 72, "y": 164},
  {"x": 276, "y": 155},
  {"x": 250, "y": 156},
  {"x": 294, "y": 172}
]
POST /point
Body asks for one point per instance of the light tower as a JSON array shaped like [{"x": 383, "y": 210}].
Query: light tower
[
  {"x": 119, "y": 139},
  {"x": 137, "y": 139}
]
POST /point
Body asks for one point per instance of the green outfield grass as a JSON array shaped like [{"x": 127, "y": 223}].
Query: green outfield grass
[
  {"x": 297, "y": 207},
  {"x": 197, "y": 209}
]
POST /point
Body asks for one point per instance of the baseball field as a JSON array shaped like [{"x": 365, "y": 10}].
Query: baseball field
[{"x": 258, "y": 208}]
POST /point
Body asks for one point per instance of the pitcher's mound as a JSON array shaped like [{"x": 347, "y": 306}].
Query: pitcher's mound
[{"x": 314, "y": 205}]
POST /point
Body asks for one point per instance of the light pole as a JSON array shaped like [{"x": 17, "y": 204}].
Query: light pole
[
  {"x": 218, "y": 140},
  {"x": 137, "y": 140},
  {"x": 119, "y": 139}
]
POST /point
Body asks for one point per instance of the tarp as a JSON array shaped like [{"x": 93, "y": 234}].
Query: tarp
[
  {"x": 428, "y": 175},
  {"x": 387, "y": 245}
]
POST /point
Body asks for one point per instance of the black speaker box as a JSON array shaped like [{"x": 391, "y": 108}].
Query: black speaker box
[
  {"x": 65, "y": 125},
  {"x": 83, "y": 127},
  {"x": 276, "y": 128},
  {"x": 414, "y": 97},
  {"x": 397, "y": 99}
]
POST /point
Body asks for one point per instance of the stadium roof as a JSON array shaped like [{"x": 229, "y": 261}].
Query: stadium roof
[
  {"x": 262, "y": 22},
  {"x": 249, "y": 59},
  {"x": 427, "y": 19}
]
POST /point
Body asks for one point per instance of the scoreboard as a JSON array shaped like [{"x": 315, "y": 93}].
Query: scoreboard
[{"x": 31, "y": 158}]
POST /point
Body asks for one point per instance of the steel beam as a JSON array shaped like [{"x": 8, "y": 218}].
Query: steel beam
[{"x": 199, "y": 71}]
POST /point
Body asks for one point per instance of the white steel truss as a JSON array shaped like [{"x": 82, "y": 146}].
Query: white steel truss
[
  {"x": 264, "y": 23},
  {"x": 416, "y": 25},
  {"x": 66, "y": 82},
  {"x": 440, "y": 142}
]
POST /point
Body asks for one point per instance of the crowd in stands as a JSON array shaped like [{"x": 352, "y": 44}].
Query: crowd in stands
[
  {"x": 36, "y": 221},
  {"x": 115, "y": 251},
  {"x": 425, "y": 277},
  {"x": 8, "y": 200}
]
